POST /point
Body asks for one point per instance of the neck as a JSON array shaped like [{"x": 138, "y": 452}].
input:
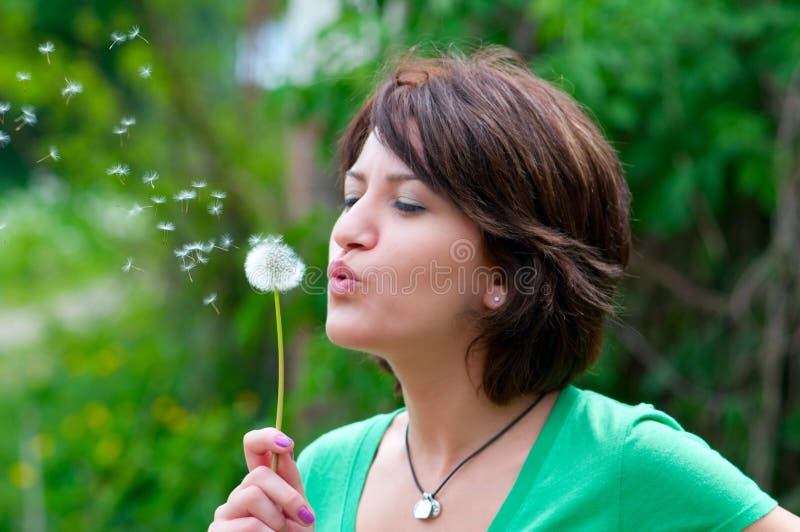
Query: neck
[{"x": 449, "y": 417}]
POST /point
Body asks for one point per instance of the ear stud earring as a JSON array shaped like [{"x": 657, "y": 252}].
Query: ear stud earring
[{"x": 497, "y": 299}]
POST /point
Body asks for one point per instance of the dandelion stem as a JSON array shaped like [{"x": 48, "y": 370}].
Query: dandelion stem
[
  {"x": 279, "y": 413},
  {"x": 215, "y": 308}
]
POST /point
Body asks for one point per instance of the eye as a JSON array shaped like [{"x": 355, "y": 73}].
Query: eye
[{"x": 409, "y": 207}]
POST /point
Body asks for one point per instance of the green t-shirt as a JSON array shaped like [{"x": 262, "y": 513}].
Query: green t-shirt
[{"x": 597, "y": 465}]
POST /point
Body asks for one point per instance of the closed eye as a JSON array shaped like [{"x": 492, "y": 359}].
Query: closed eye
[{"x": 399, "y": 205}]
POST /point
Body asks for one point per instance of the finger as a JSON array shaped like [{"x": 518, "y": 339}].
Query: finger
[
  {"x": 252, "y": 501},
  {"x": 244, "y": 524},
  {"x": 260, "y": 444},
  {"x": 291, "y": 501},
  {"x": 287, "y": 469}
]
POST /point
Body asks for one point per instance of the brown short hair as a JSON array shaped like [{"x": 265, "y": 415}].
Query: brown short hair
[{"x": 539, "y": 179}]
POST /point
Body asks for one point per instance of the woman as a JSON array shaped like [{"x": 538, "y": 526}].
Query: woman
[{"x": 484, "y": 228}]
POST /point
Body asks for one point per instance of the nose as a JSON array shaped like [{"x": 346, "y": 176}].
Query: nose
[{"x": 355, "y": 228}]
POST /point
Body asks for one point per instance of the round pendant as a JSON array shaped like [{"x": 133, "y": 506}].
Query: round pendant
[{"x": 427, "y": 507}]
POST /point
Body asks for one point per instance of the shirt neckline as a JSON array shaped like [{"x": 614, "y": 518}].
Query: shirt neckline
[{"x": 537, "y": 455}]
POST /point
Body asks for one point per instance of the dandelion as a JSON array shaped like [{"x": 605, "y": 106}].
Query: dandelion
[
  {"x": 199, "y": 184},
  {"x": 188, "y": 269},
  {"x": 128, "y": 266},
  {"x": 71, "y": 89},
  {"x": 4, "y": 108},
  {"x": 119, "y": 170},
  {"x": 4, "y": 139},
  {"x": 128, "y": 121},
  {"x": 28, "y": 117},
  {"x": 165, "y": 227},
  {"x": 215, "y": 209},
  {"x": 210, "y": 299},
  {"x": 119, "y": 130},
  {"x": 183, "y": 254},
  {"x": 117, "y": 38},
  {"x": 158, "y": 200},
  {"x": 202, "y": 259},
  {"x": 184, "y": 196},
  {"x": 47, "y": 48},
  {"x": 272, "y": 265},
  {"x": 23, "y": 76},
  {"x": 52, "y": 154},
  {"x": 134, "y": 33},
  {"x": 149, "y": 178},
  {"x": 145, "y": 71}
]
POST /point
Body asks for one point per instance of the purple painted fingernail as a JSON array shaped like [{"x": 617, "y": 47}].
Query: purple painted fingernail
[
  {"x": 305, "y": 515},
  {"x": 283, "y": 441}
]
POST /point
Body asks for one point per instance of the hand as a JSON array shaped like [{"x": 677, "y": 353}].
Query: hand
[{"x": 266, "y": 500}]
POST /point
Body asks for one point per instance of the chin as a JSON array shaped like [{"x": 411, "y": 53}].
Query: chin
[{"x": 346, "y": 335}]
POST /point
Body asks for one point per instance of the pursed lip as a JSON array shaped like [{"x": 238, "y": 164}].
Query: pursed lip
[{"x": 339, "y": 270}]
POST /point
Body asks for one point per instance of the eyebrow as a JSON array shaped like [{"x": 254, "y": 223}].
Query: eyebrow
[{"x": 389, "y": 177}]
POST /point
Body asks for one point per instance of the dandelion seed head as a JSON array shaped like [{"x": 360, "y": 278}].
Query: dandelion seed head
[
  {"x": 210, "y": 298},
  {"x": 5, "y": 107},
  {"x": 46, "y": 47},
  {"x": 158, "y": 200},
  {"x": 128, "y": 121},
  {"x": 166, "y": 226},
  {"x": 215, "y": 209},
  {"x": 145, "y": 71},
  {"x": 4, "y": 139},
  {"x": 23, "y": 76},
  {"x": 273, "y": 265},
  {"x": 199, "y": 184},
  {"x": 119, "y": 170},
  {"x": 218, "y": 194}
]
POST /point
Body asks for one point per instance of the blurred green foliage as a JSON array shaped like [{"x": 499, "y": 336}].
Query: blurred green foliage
[{"x": 124, "y": 398}]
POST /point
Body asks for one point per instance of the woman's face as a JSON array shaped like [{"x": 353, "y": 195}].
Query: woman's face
[{"x": 418, "y": 261}]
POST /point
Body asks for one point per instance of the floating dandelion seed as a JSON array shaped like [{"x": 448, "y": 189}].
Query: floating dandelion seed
[
  {"x": 149, "y": 178},
  {"x": 219, "y": 195},
  {"x": 199, "y": 184},
  {"x": 208, "y": 247},
  {"x": 202, "y": 259},
  {"x": 47, "y": 48},
  {"x": 183, "y": 254},
  {"x": 119, "y": 130},
  {"x": 184, "y": 196},
  {"x": 71, "y": 89},
  {"x": 116, "y": 38},
  {"x": 52, "y": 154},
  {"x": 23, "y": 76},
  {"x": 119, "y": 170},
  {"x": 4, "y": 139},
  {"x": 136, "y": 32},
  {"x": 28, "y": 117},
  {"x": 137, "y": 209},
  {"x": 145, "y": 71},
  {"x": 255, "y": 239},
  {"x": 158, "y": 200},
  {"x": 4, "y": 108},
  {"x": 273, "y": 265},
  {"x": 166, "y": 227},
  {"x": 215, "y": 209},
  {"x": 226, "y": 242},
  {"x": 128, "y": 121},
  {"x": 210, "y": 299},
  {"x": 188, "y": 269},
  {"x": 128, "y": 266}
]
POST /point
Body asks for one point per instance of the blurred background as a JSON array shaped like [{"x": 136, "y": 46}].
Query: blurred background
[{"x": 124, "y": 392}]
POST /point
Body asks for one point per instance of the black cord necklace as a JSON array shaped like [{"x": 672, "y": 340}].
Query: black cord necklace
[{"x": 428, "y": 506}]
